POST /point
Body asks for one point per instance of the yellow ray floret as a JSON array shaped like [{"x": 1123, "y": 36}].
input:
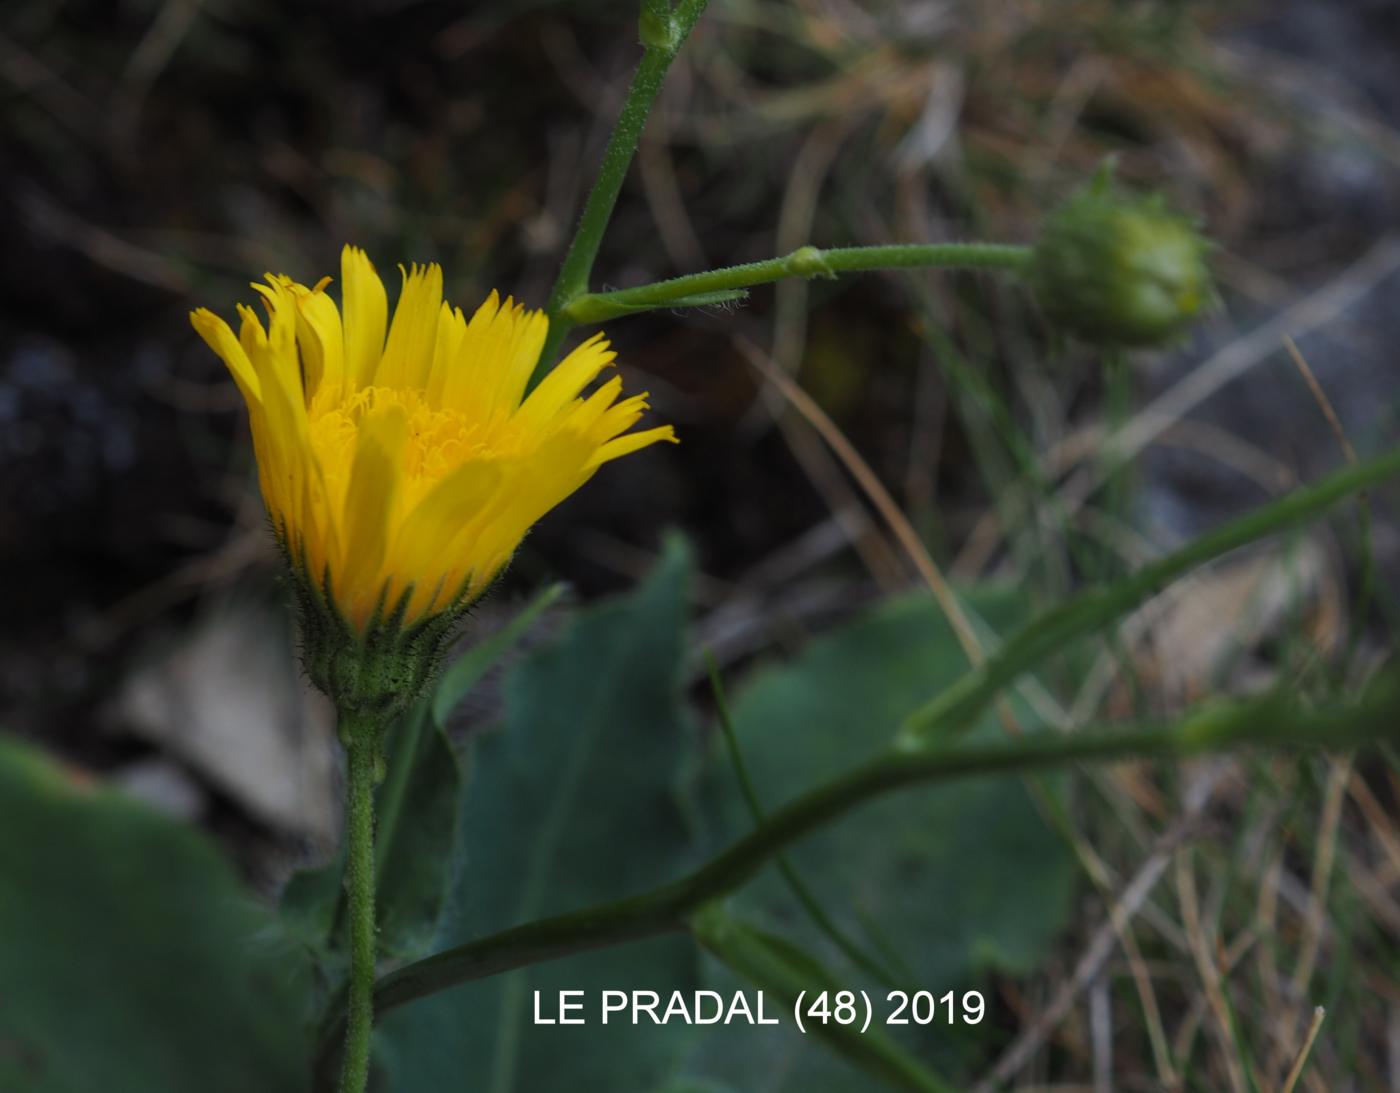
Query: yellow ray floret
[{"x": 403, "y": 459}]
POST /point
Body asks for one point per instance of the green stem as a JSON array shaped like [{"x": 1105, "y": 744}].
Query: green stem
[
  {"x": 663, "y": 34},
  {"x": 666, "y": 909},
  {"x": 815, "y": 911},
  {"x": 774, "y": 963},
  {"x": 1274, "y": 720},
  {"x": 596, "y": 307},
  {"x": 956, "y": 709},
  {"x": 362, "y": 745}
]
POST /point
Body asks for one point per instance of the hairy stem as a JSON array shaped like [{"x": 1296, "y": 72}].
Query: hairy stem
[
  {"x": 1275, "y": 720},
  {"x": 663, "y": 34},
  {"x": 922, "y": 755},
  {"x": 595, "y": 307},
  {"x": 363, "y": 754},
  {"x": 804, "y": 896},
  {"x": 956, "y": 707}
]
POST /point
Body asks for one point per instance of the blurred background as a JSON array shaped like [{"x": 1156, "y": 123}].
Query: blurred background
[{"x": 159, "y": 154}]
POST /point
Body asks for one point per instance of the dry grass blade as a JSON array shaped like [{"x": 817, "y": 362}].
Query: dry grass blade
[
  {"x": 1323, "y": 402},
  {"x": 1297, "y": 1072},
  {"x": 965, "y": 631},
  {"x": 1382, "y": 825},
  {"x": 663, "y": 192},
  {"x": 1100, "y": 946},
  {"x": 1207, "y": 969},
  {"x": 1325, "y": 857},
  {"x": 875, "y": 491}
]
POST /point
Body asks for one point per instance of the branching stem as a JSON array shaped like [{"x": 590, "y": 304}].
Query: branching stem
[
  {"x": 924, "y": 753},
  {"x": 596, "y": 307},
  {"x": 663, "y": 33},
  {"x": 1275, "y": 720}
]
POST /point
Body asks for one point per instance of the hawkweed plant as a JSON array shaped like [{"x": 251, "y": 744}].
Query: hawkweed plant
[{"x": 402, "y": 462}]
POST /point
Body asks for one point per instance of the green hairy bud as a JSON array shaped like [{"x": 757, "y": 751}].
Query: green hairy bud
[{"x": 1121, "y": 271}]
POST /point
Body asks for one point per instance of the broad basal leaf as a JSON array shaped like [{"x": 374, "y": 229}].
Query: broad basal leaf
[
  {"x": 936, "y": 882},
  {"x": 131, "y": 959},
  {"x": 570, "y": 803}
]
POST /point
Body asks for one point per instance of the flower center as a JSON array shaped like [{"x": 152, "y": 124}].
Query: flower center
[{"x": 439, "y": 440}]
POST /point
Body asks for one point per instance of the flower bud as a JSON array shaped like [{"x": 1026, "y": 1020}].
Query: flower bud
[{"x": 1119, "y": 271}]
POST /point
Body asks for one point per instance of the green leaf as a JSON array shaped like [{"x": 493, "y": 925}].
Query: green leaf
[
  {"x": 570, "y": 803},
  {"x": 133, "y": 959},
  {"x": 466, "y": 671},
  {"x": 419, "y": 804},
  {"x": 696, "y": 1085},
  {"x": 309, "y": 904},
  {"x": 790, "y": 975},
  {"x": 416, "y": 809},
  {"x": 416, "y": 829},
  {"x": 942, "y": 882}
]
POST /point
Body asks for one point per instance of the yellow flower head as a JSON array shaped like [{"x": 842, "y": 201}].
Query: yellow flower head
[{"x": 401, "y": 473}]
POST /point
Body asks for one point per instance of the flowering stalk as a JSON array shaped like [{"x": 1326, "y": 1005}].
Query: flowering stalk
[
  {"x": 401, "y": 465},
  {"x": 921, "y": 756},
  {"x": 663, "y": 31},
  {"x": 595, "y": 307},
  {"x": 1276, "y": 720},
  {"x": 1112, "y": 270},
  {"x": 364, "y": 762}
]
